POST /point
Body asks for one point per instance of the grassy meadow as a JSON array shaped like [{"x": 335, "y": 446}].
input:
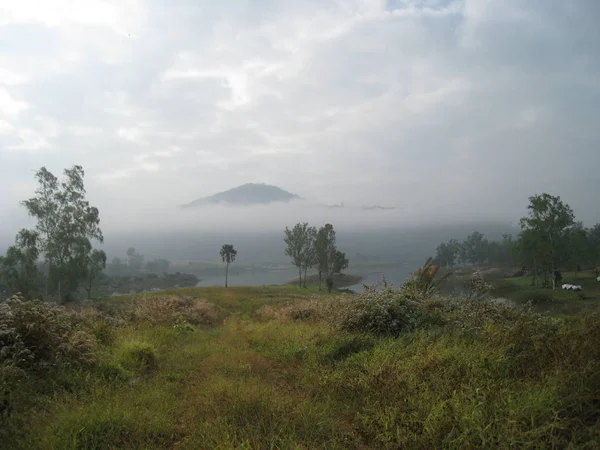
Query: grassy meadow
[{"x": 289, "y": 368}]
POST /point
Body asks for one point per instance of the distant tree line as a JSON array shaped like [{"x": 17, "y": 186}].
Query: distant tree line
[
  {"x": 550, "y": 241},
  {"x": 62, "y": 237},
  {"x": 56, "y": 258},
  {"x": 309, "y": 247},
  {"x": 134, "y": 264}
]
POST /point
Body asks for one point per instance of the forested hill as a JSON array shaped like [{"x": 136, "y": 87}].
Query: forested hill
[{"x": 247, "y": 194}]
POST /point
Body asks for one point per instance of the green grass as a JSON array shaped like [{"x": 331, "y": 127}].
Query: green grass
[
  {"x": 254, "y": 382},
  {"x": 521, "y": 290}
]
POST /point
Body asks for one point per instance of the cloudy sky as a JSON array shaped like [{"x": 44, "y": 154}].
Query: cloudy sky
[{"x": 464, "y": 106}]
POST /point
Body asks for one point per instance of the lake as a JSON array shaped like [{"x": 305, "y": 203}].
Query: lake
[{"x": 394, "y": 275}]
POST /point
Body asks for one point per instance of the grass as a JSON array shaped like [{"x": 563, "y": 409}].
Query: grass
[
  {"x": 339, "y": 281},
  {"x": 274, "y": 381},
  {"x": 564, "y": 302}
]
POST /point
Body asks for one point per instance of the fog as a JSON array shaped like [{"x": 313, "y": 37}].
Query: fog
[{"x": 453, "y": 112}]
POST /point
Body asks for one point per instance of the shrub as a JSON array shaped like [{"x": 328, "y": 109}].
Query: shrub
[
  {"x": 176, "y": 310},
  {"x": 341, "y": 348},
  {"x": 541, "y": 297},
  {"x": 137, "y": 357},
  {"x": 385, "y": 313},
  {"x": 36, "y": 336}
]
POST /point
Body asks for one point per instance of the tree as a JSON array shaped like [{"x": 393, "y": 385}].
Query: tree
[
  {"x": 64, "y": 216},
  {"x": 447, "y": 253},
  {"x": 593, "y": 237},
  {"x": 299, "y": 247},
  {"x": 329, "y": 260},
  {"x": 340, "y": 262},
  {"x": 324, "y": 254},
  {"x": 136, "y": 261},
  {"x": 18, "y": 268},
  {"x": 475, "y": 248},
  {"x": 580, "y": 251},
  {"x": 116, "y": 267},
  {"x": 309, "y": 257},
  {"x": 322, "y": 242},
  {"x": 228, "y": 254},
  {"x": 549, "y": 220},
  {"x": 95, "y": 263}
]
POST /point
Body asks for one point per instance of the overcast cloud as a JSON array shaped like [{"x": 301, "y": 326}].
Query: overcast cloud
[{"x": 442, "y": 108}]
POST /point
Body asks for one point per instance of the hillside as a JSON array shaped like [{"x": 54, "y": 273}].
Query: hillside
[{"x": 246, "y": 194}]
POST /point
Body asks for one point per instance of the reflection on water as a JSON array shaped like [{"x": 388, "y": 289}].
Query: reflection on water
[
  {"x": 249, "y": 279},
  {"x": 394, "y": 276}
]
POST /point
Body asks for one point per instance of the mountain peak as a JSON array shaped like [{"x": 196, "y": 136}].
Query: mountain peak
[{"x": 246, "y": 194}]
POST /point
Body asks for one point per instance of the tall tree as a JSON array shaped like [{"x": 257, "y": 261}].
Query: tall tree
[
  {"x": 64, "y": 216},
  {"x": 95, "y": 263},
  {"x": 447, "y": 253},
  {"x": 309, "y": 257},
  {"x": 324, "y": 251},
  {"x": 579, "y": 249},
  {"x": 18, "y": 268},
  {"x": 228, "y": 254},
  {"x": 549, "y": 219},
  {"x": 298, "y": 244},
  {"x": 329, "y": 260},
  {"x": 116, "y": 267},
  {"x": 593, "y": 236},
  {"x": 136, "y": 261},
  {"x": 475, "y": 248}
]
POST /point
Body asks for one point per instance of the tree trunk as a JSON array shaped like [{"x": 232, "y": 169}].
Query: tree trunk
[
  {"x": 226, "y": 274},
  {"x": 553, "y": 270},
  {"x": 305, "y": 269},
  {"x": 320, "y": 278},
  {"x": 534, "y": 272}
]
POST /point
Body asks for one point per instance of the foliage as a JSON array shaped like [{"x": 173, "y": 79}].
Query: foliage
[
  {"x": 18, "y": 268},
  {"x": 137, "y": 357},
  {"x": 136, "y": 261},
  {"x": 423, "y": 283},
  {"x": 228, "y": 254},
  {"x": 299, "y": 243},
  {"x": 173, "y": 310},
  {"x": 461, "y": 373},
  {"x": 65, "y": 221},
  {"x": 549, "y": 220},
  {"x": 476, "y": 287}
]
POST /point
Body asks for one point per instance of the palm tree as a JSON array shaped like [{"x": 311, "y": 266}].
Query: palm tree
[{"x": 228, "y": 256}]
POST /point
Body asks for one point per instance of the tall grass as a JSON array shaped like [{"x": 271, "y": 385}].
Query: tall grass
[{"x": 281, "y": 368}]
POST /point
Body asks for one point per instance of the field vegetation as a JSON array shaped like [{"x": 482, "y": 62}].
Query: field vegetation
[{"x": 284, "y": 367}]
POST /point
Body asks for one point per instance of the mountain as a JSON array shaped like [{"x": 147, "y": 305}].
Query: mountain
[{"x": 247, "y": 194}]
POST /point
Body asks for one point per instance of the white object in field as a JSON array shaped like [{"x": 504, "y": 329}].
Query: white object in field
[
  {"x": 576, "y": 288},
  {"x": 598, "y": 279}
]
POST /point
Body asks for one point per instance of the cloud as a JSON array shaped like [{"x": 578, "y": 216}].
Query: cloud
[{"x": 454, "y": 108}]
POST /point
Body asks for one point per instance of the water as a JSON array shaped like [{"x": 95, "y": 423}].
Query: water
[
  {"x": 276, "y": 277},
  {"x": 394, "y": 275}
]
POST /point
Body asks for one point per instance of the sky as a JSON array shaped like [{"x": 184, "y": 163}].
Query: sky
[{"x": 445, "y": 109}]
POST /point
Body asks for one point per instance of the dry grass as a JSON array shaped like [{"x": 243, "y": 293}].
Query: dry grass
[{"x": 171, "y": 309}]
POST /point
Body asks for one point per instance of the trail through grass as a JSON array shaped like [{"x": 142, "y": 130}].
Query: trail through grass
[{"x": 254, "y": 381}]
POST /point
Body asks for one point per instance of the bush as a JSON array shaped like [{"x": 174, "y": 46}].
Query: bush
[
  {"x": 176, "y": 310},
  {"x": 137, "y": 357},
  {"x": 386, "y": 312},
  {"x": 36, "y": 336}
]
